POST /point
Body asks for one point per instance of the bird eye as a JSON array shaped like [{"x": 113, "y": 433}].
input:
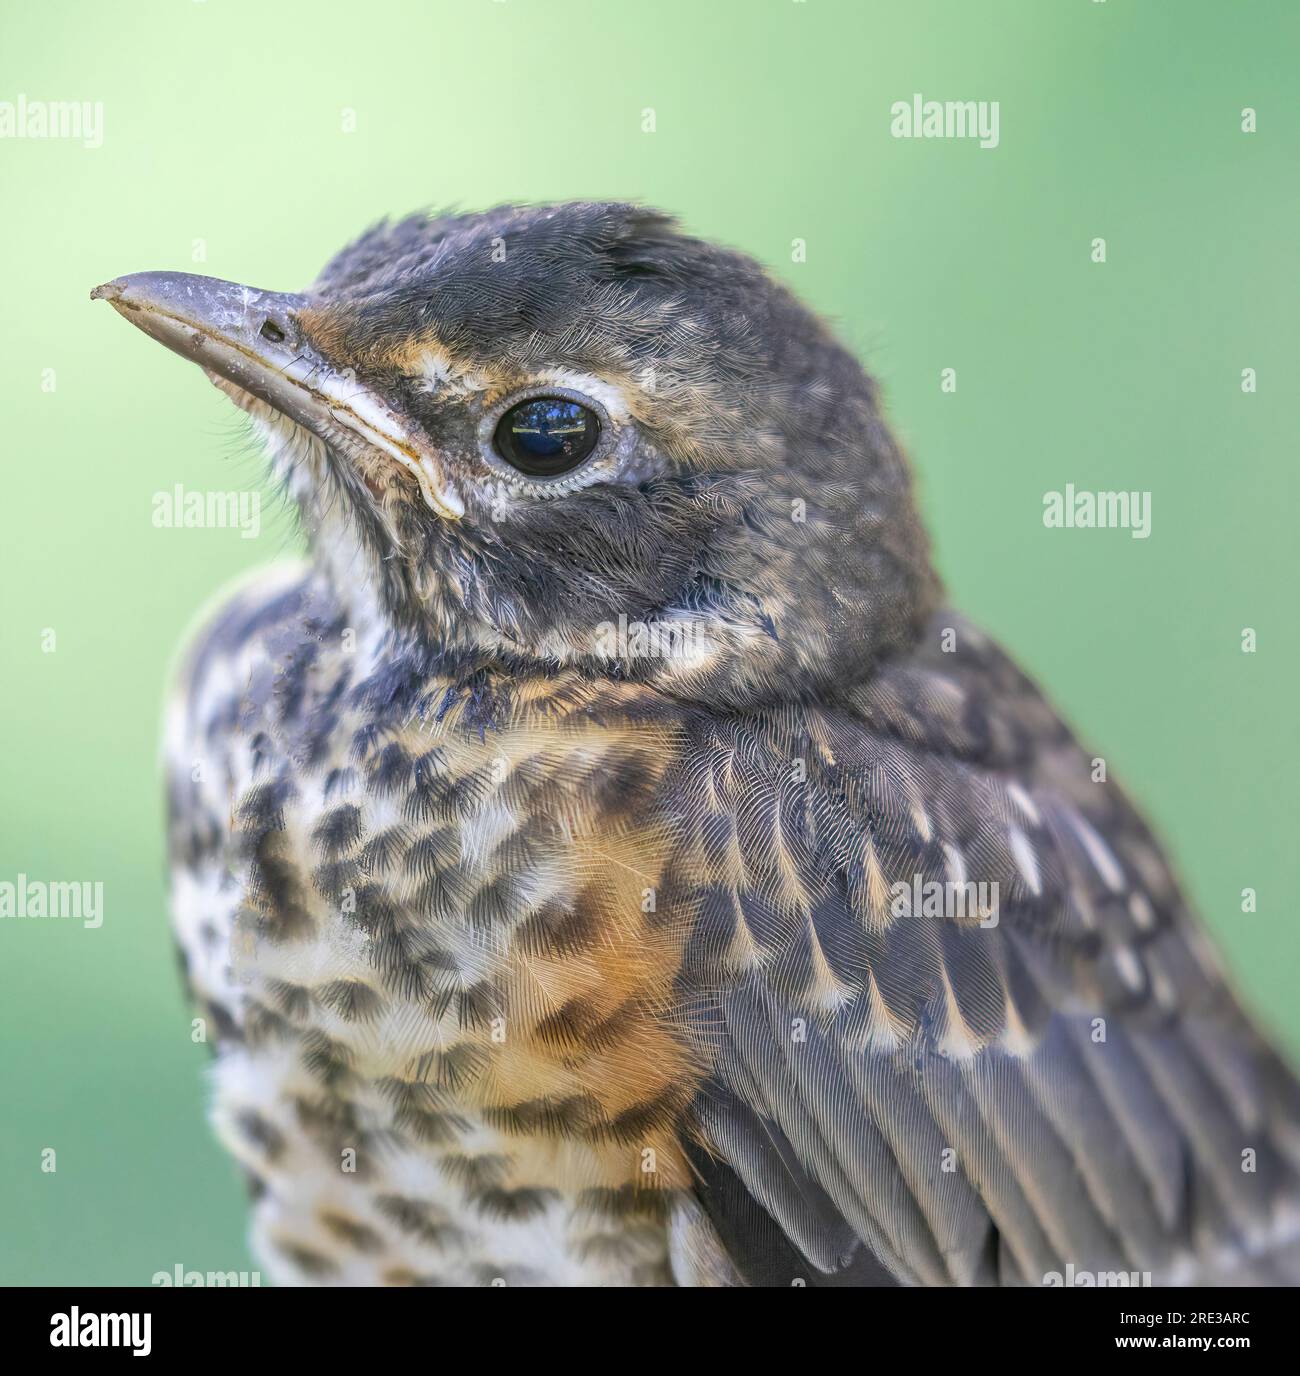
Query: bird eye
[{"x": 546, "y": 436}]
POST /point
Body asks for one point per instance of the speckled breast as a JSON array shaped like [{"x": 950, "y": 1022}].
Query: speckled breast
[{"x": 423, "y": 912}]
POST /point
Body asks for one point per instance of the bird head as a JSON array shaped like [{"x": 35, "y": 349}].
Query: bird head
[{"x": 573, "y": 435}]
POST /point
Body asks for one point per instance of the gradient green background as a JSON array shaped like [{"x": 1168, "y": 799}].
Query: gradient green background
[{"x": 224, "y": 122}]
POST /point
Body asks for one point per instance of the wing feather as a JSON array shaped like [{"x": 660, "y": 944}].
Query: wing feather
[{"x": 1045, "y": 1070}]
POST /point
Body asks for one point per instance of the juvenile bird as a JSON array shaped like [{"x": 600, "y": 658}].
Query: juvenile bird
[{"x": 608, "y": 861}]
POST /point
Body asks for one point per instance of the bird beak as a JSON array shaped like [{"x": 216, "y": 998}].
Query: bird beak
[{"x": 254, "y": 340}]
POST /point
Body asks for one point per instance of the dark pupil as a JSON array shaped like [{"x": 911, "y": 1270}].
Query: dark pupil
[{"x": 547, "y": 435}]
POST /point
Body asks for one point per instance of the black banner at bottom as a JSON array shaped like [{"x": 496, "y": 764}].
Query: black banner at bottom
[{"x": 216, "y": 1323}]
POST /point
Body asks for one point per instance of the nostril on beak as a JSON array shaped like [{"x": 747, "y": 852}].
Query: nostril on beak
[{"x": 270, "y": 330}]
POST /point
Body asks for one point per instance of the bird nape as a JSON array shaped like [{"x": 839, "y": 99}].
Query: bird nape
[{"x": 615, "y": 864}]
